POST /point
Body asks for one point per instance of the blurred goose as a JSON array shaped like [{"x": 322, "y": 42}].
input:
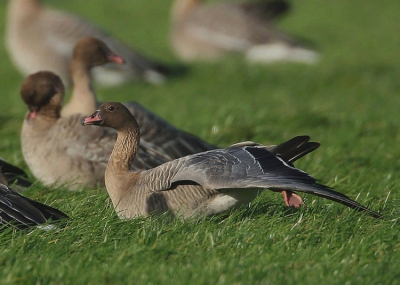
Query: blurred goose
[
  {"x": 208, "y": 31},
  {"x": 88, "y": 53},
  {"x": 21, "y": 212},
  {"x": 156, "y": 134},
  {"x": 59, "y": 151},
  {"x": 206, "y": 183},
  {"x": 40, "y": 38}
]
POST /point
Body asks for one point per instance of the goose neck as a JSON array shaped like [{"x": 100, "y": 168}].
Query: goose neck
[
  {"x": 125, "y": 149},
  {"x": 83, "y": 99},
  {"x": 22, "y": 8},
  {"x": 181, "y": 8}
]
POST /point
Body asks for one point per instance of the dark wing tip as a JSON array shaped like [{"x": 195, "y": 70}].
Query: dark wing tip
[
  {"x": 267, "y": 10},
  {"x": 329, "y": 193}
]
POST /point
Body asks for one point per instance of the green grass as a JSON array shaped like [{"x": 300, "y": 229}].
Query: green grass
[{"x": 349, "y": 102}]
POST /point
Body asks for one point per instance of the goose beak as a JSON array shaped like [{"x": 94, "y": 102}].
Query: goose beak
[
  {"x": 112, "y": 57},
  {"x": 93, "y": 119}
]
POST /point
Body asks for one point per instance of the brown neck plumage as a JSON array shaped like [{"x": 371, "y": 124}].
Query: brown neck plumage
[{"x": 126, "y": 147}]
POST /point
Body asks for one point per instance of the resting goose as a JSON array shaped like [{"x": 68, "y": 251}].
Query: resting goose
[
  {"x": 40, "y": 38},
  {"x": 209, "y": 30},
  {"x": 206, "y": 183},
  {"x": 60, "y": 152},
  {"x": 21, "y": 212},
  {"x": 157, "y": 134}
]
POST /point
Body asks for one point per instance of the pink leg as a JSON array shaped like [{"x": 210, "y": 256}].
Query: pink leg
[{"x": 292, "y": 199}]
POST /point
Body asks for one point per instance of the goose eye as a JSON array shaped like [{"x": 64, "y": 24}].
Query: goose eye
[{"x": 111, "y": 108}]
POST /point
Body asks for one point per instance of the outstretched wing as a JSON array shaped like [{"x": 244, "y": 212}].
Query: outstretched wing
[
  {"x": 247, "y": 165},
  {"x": 241, "y": 166}
]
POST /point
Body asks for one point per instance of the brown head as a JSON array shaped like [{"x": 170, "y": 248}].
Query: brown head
[
  {"x": 93, "y": 52},
  {"x": 43, "y": 92},
  {"x": 114, "y": 115}
]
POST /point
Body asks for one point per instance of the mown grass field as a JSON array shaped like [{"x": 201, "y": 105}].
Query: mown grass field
[{"x": 349, "y": 102}]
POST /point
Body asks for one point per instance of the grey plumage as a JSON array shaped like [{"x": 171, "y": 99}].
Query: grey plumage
[
  {"x": 19, "y": 211},
  {"x": 160, "y": 137},
  {"x": 206, "y": 183},
  {"x": 59, "y": 151},
  {"x": 22, "y": 212},
  {"x": 202, "y": 30},
  {"x": 13, "y": 174},
  {"x": 250, "y": 165},
  {"x": 41, "y": 38}
]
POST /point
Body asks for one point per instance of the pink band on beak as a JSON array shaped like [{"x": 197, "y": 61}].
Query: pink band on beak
[
  {"x": 32, "y": 114},
  {"x": 112, "y": 57},
  {"x": 92, "y": 119}
]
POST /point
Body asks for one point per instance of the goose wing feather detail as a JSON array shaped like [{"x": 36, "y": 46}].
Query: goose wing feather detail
[
  {"x": 22, "y": 212},
  {"x": 246, "y": 165},
  {"x": 14, "y": 174}
]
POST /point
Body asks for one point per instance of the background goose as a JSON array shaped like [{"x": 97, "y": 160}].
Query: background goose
[
  {"x": 208, "y": 31},
  {"x": 59, "y": 151},
  {"x": 158, "y": 136},
  {"x": 88, "y": 53},
  {"x": 39, "y": 38},
  {"x": 21, "y": 212},
  {"x": 207, "y": 183}
]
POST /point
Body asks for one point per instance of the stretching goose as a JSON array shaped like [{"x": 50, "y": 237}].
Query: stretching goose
[
  {"x": 208, "y": 31},
  {"x": 156, "y": 134},
  {"x": 207, "y": 183},
  {"x": 21, "y": 212},
  {"x": 39, "y": 38},
  {"x": 59, "y": 151}
]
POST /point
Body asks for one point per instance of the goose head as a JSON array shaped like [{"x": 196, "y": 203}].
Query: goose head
[
  {"x": 43, "y": 92},
  {"x": 94, "y": 52},
  {"x": 112, "y": 114}
]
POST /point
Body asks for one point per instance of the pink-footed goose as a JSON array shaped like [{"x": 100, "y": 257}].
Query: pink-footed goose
[
  {"x": 60, "y": 152},
  {"x": 41, "y": 38},
  {"x": 209, "y": 30},
  {"x": 88, "y": 53},
  {"x": 206, "y": 183},
  {"x": 158, "y": 135},
  {"x": 18, "y": 211}
]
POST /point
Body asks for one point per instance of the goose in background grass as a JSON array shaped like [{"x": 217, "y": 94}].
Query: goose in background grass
[
  {"x": 41, "y": 38},
  {"x": 157, "y": 135},
  {"x": 207, "y": 31},
  {"x": 59, "y": 151},
  {"x": 22, "y": 212},
  {"x": 88, "y": 53},
  {"x": 206, "y": 183}
]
